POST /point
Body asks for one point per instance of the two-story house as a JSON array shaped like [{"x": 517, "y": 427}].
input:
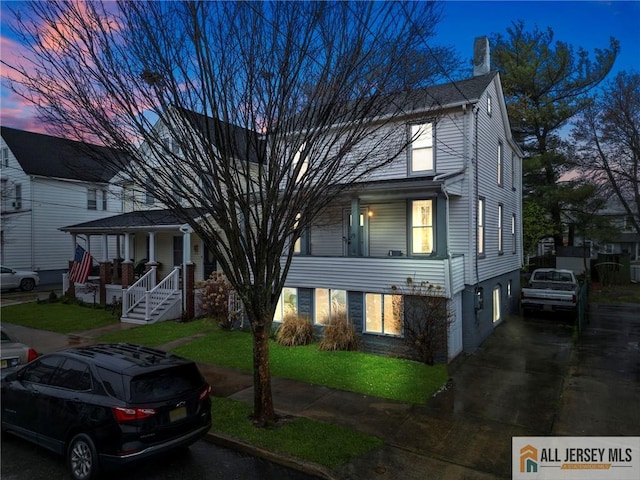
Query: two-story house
[
  {"x": 448, "y": 212},
  {"x": 48, "y": 182}
]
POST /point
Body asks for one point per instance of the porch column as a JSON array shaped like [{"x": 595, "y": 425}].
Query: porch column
[
  {"x": 354, "y": 229},
  {"x": 105, "y": 270},
  {"x": 151, "y": 261},
  {"x": 127, "y": 265},
  {"x": 71, "y": 289},
  {"x": 188, "y": 273}
]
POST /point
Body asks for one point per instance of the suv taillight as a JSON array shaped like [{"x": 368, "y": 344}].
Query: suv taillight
[
  {"x": 205, "y": 393},
  {"x": 128, "y": 414},
  {"x": 31, "y": 355}
]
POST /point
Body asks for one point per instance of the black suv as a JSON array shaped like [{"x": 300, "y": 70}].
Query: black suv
[{"x": 107, "y": 405}]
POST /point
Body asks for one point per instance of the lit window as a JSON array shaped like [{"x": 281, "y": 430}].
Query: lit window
[
  {"x": 92, "y": 199},
  {"x": 287, "y": 304},
  {"x": 513, "y": 233},
  {"x": 422, "y": 148},
  {"x": 481, "y": 226},
  {"x": 496, "y": 304},
  {"x": 499, "y": 163},
  {"x": 383, "y": 314},
  {"x": 329, "y": 304},
  {"x": 500, "y": 246},
  {"x": 305, "y": 162},
  {"x": 489, "y": 105},
  {"x": 422, "y": 226}
]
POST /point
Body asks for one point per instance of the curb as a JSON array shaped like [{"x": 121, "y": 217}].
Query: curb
[{"x": 281, "y": 459}]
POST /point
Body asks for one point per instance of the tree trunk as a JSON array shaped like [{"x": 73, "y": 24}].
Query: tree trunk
[{"x": 263, "y": 410}]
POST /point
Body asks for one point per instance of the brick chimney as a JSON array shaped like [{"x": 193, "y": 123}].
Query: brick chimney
[{"x": 481, "y": 56}]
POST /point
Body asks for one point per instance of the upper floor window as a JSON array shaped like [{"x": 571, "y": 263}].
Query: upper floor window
[
  {"x": 92, "y": 199},
  {"x": 104, "y": 200},
  {"x": 329, "y": 304},
  {"x": 422, "y": 148},
  {"x": 513, "y": 233},
  {"x": 383, "y": 314},
  {"x": 500, "y": 242},
  {"x": 5, "y": 157},
  {"x": 17, "y": 203},
  {"x": 300, "y": 156},
  {"x": 489, "y": 106},
  {"x": 513, "y": 171},
  {"x": 149, "y": 198},
  {"x": 422, "y": 226},
  {"x": 500, "y": 163},
  {"x": 481, "y": 205}
]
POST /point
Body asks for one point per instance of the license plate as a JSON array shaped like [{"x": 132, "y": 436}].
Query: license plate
[
  {"x": 178, "y": 414},
  {"x": 9, "y": 362}
]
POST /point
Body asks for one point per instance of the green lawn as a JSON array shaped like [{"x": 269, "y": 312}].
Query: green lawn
[
  {"x": 57, "y": 317},
  {"x": 291, "y": 437},
  {"x": 403, "y": 380}
]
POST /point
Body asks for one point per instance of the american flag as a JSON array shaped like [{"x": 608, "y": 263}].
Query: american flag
[{"x": 81, "y": 266}]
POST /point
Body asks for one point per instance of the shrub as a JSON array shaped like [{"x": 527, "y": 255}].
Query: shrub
[
  {"x": 426, "y": 319},
  {"x": 295, "y": 330},
  {"x": 214, "y": 299},
  {"x": 52, "y": 296},
  {"x": 339, "y": 334}
]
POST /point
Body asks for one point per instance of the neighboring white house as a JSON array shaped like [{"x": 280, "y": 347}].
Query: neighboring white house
[
  {"x": 49, "y": 182},
  {"x": 449, "y": 212}
]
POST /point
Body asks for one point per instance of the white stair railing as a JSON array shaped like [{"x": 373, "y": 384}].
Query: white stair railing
[
  {"x": 158, "y": 295},
  {"x": 136, "y": 292}
]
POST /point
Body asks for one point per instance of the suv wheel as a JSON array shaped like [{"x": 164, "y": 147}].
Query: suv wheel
[
  {"x": 82, "y": 458},
  {"x": 27, "y": 284}
]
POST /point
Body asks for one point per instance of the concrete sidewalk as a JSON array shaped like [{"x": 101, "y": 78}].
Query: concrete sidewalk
[{"x": 526, "y": 380}]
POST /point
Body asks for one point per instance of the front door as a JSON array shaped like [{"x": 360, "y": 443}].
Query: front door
[{"x": 356, "y": 246}]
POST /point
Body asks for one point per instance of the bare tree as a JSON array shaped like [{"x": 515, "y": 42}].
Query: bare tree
[
  {"x": 608, "y": 137},
  {"x": 273, "y": 108}
]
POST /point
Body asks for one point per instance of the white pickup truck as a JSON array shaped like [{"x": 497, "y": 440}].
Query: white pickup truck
[{"x": 550, "y": 289}]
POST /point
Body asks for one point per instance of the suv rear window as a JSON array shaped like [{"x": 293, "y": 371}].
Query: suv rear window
[{"x": 164, "y": 384}]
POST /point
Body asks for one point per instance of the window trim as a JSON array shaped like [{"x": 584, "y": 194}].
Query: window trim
[
  {"x": 481, "y": 208},
  {"x": 412, "y": 228},
  {"x": 417, "y": 137},
  {"x": 500, "y": 163},
  {"x": 315, "y": 304},
  {"x": 382, "y": 309},
  {"x": 500, "y": 229}
]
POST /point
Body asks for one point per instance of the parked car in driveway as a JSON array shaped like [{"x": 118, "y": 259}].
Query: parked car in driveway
[
  {"x": 551, "y": 289},
  {"x": 11, "y": 279},
  {"x": 13, "y": 352},
  {"x": 106, "y": 405}
]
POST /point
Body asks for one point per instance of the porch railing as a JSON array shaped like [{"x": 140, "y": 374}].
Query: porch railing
[
  {"x": 136, "y": 293},
  {"x": 162, "y": 292}
]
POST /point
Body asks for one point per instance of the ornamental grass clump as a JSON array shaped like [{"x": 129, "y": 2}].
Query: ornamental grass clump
[
  {"x": 214, "y": 299},
  {"x": 295, "y": 330},
  {"x": 339, "y": 334}
]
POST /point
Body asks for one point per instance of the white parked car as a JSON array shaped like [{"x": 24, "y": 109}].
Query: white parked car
[{"x": 11, "y": 279}]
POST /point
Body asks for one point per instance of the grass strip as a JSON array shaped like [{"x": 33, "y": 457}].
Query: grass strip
[
  {"x": 297, "y": 437},
  {"x": 57, "y": 317},
  {"x": 158, "y": 333}
]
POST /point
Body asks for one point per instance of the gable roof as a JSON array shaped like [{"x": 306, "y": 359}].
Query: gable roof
[
  {"x": 130, "y": 221},
  {"x": 447, "y": 94},
  {"x": 56, "y": 157}
]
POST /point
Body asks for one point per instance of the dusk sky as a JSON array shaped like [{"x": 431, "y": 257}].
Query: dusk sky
[{"x": 587, "y": 24}]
